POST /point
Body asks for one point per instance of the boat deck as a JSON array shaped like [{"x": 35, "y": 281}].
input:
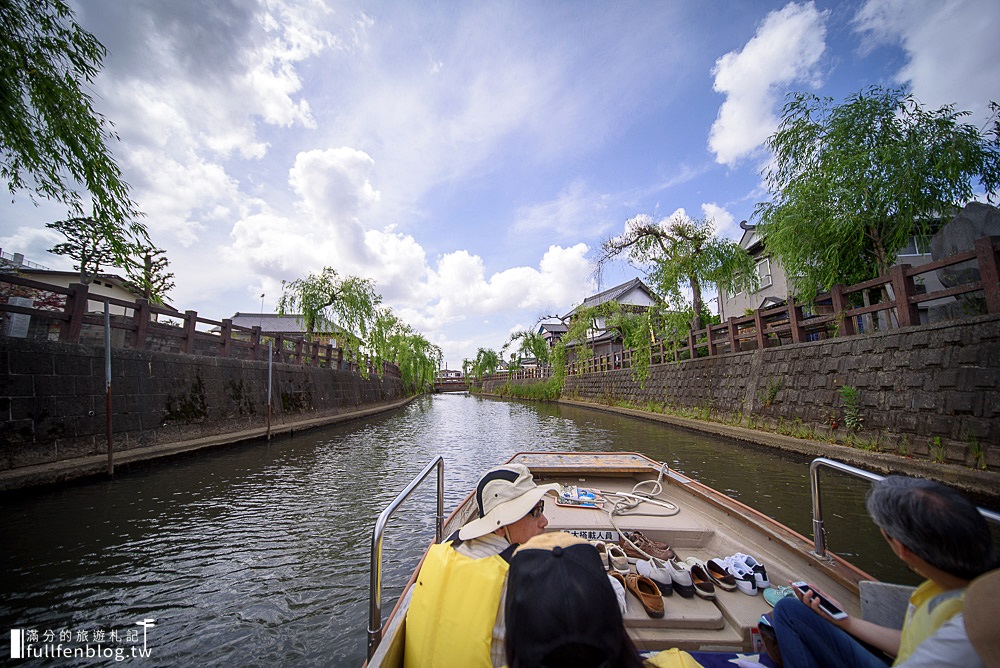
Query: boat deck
[{"x": 707, "y": 525}]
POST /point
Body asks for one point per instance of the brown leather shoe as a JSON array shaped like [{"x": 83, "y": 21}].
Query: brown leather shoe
[
  {"x": 652, "y": 548},
  {"x": 647, "y": 592}
]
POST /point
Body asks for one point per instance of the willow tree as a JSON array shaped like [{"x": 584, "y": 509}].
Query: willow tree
[
  {"x": 525, "y": 344},
  {"x": 487, "y": 361},
  {"x": 850, "y": 184},
  {"x": 328, "y": 301},
  {"x": 680, "y": 252},
  {"x": 392, "y": 340},
  {"x": 52, "y": 140}
]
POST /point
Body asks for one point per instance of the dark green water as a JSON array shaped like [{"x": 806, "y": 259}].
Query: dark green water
[{"x": 258, "y": 554}]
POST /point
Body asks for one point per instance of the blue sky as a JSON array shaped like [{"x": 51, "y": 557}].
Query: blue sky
[{"x": 470, "y": 157}]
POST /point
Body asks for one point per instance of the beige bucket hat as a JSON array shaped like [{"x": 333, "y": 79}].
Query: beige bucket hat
[{"x": 504, "y": 495}]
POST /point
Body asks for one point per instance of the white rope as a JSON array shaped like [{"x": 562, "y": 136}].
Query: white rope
[{"x": 626, "y": 502}]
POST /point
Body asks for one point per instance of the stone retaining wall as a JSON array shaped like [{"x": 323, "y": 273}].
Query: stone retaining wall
[
  {"x": 53, "y": 398},
  {"x": 931, "y": 391}
]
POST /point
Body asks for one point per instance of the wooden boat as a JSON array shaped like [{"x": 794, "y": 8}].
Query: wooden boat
[{"x": 708, "y": 525}]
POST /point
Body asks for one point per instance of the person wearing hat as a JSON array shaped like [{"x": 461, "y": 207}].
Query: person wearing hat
[
  {"x": 561, "y": 609},
  {"x": 938, "y": 533},
  {"x": 456, "y": 615}
]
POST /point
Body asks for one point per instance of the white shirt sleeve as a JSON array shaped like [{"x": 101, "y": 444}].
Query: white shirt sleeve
[{"x": 949, "y": 647}]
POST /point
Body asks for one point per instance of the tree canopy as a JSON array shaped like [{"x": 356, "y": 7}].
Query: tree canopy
[
  {"x": 679, "y": 252},
  {"x": 527, "y": 344},
  {"x": 150, "y": 274},
  {"x": 52, "y": 141},
  {"x": 851, "y": 183},
  {"x": 326, "y": 300},
  {"x": 88, "y": 241}
]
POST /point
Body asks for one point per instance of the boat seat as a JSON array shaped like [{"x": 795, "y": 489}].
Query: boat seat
[{"x": 884, "y": 603}]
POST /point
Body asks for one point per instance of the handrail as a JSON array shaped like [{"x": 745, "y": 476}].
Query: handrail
[
  {"x": 375, "y": 570},
  {"x": 819, "y": 537}
]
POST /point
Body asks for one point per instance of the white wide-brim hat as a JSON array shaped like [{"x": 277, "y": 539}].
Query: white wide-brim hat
[{"x": 504, "y": 495}]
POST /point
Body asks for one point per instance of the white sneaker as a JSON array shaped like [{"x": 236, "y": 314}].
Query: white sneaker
[
  {"x": 680, "y": 576},
  {"x": 657, "y": 571},
  {"x": 745, "y": 580},
  {"x": 755, "y": 567},
  {"x": 617, "y": 559},
  {"x": 619, "y": 588},
  {"x": 602, "y": 552}
]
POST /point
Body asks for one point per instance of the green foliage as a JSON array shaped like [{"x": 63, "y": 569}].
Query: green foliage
[
  {"x": 937, "y": 450},
  {"x": 151, "y": 276},
  {"x": 681, "y": 252},
  {"x": 92, "y": 243},
  {"x": 525, "y": 344},
  {"x": 392, "y": 340},
  {"x": 487, "y": 361},
  {"x": 851, "y": 399},
  {"x": 770, "y": 392},
  {"x": 326, "y": 300},
  {"x": 51, "y": 138},
  {"x": 851, "y": 183},
  {"x": 547, "y": 390}
]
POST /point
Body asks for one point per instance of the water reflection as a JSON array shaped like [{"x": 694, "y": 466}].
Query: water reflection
[{"x": 258, "y": 554}]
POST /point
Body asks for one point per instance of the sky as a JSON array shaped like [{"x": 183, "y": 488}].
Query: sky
[{"x": 470, "y": 157}]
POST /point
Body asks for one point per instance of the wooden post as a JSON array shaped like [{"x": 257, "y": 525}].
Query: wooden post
[
  {"x": 711, "y": 340},
  {"x": 845, "y": 323},
  {"x": 989, "y": 271},
  {"x": 190, "y": 322},
  {"x": 732, "y": 334},
  {"x": 255, "y": 341},
  {"x": 141, "y": 324},
  {"x": 329, "y": 355},
  {"x": 795, "y": 320},
  {"x": 691, "y": 348},
  {"x": 227, "y": 336},
  {"x": 76, "y": 307},
  {"x": 298, "y": 351},
  {"x": 759, "y": 325},
  {"x": 903, "y": 288}
]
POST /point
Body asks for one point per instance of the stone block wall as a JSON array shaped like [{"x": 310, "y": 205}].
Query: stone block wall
[
  {"x": 932, "y": 390},
  {"x": 53, "y": 398}
]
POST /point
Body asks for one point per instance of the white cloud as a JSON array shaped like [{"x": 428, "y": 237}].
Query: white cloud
[
  {"x": 574, "y": 213},
  {"x": 952, "y": 48},
  {"x": 785, "y": 50},
  {"x": 725, "y": 225}
]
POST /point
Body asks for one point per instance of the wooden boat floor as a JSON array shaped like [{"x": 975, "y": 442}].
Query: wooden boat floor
[{"x": 699, "y": 530}]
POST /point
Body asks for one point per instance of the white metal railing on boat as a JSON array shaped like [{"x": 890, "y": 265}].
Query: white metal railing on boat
[
  {"x": 819, "y": 537},
  {"x": 375, "y": 585}
]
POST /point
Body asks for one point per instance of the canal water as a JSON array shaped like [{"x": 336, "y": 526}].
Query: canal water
[{"x": 258, "y": 554}]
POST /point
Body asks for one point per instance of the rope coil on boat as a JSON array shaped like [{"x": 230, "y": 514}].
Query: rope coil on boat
[{"x": 630, "y": 501}]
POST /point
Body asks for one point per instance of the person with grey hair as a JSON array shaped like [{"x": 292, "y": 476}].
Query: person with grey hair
[{"x": 939, "y": 534}]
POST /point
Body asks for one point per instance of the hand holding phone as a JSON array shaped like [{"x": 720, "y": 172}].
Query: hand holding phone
[{"x": 825, "y": 604}]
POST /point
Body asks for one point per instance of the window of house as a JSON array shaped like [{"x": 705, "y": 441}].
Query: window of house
[
  {"x": 916, "y": 246},
  {"x": 764, "y": 272}
]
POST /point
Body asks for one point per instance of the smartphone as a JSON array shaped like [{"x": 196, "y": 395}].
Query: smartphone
[{"x": 825, "y": 604}]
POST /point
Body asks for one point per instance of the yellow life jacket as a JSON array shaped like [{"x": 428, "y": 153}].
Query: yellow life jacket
[
  {"x": 453, "y": 609},
  {"x": 930, "y": 607}
]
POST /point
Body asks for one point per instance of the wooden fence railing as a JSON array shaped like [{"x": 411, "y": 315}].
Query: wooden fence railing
[
  {"x": 832, "y": 314},
  {"x": 844, "y": 311},
  {"x": 65, "y": 314}
]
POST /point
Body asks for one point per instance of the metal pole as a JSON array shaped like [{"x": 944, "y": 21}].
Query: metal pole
[
  {"x": 270, "y": 366},
  {"x": 107, "y": 386}
]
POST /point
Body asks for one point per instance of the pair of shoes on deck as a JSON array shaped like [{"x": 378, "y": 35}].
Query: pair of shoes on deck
[
  {"x": 637, "y": 546},
  {"x": 674, "y": 575},
  {"x": 749, "y": 573},
  {"x": 645, "y": 590},
  {"x": 612, "y": 556}
]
